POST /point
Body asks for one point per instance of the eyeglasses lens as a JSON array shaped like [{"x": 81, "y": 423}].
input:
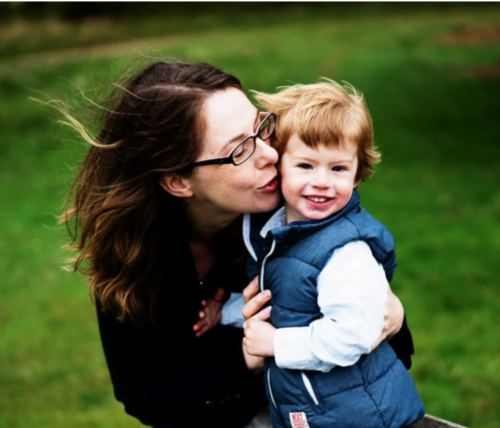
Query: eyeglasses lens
[
  {"x": 266, "y": 128},
  {"x": 243, "y": 151},
  {"x": 247, "y": 147}
]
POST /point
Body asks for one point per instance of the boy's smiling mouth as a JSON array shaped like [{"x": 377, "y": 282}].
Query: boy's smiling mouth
[{"x": 318, "y": 199}]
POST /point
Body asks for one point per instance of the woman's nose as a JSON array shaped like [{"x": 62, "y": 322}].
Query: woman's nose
[{"x": 265, "y": 154}]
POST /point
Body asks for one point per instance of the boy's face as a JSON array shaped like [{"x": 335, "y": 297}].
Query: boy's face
[{"x": 317, "y": 183}]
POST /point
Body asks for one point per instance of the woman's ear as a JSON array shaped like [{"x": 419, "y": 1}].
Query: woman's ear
[{"x": 176, "y": 185}]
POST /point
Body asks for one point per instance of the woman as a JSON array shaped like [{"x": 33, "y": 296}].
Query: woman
[{"x": 155, "y": 211}]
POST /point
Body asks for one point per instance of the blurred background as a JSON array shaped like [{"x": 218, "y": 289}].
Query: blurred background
[{"x": 431, "y": 76}]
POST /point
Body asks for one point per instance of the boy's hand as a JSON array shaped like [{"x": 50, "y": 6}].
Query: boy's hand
[
  {"x": 259, "y": 335},
  {"x": 254, "y": 364},
  {"x": 254, "y": 301},
  {"x": 210, "y": 313}
]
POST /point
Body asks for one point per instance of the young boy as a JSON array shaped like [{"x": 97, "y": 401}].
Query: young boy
[{"x": 327, "y": 263}]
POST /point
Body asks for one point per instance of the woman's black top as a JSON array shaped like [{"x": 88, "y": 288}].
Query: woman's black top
[{"x": 164, "y": 373}]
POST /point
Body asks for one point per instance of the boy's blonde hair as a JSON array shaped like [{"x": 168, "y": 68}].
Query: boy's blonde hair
[{"x": 324, "y": 113}]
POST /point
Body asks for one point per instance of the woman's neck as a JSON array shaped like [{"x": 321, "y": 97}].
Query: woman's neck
[
  {"x": 204, "y": 258},
  {"x": 204, "y": 225}
]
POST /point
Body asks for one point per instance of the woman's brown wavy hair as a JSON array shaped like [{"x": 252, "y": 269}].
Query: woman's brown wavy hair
[{"x": 115, "y": 211}]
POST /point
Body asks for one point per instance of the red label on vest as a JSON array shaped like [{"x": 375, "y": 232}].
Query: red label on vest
[{"x": 299, "y": 420}]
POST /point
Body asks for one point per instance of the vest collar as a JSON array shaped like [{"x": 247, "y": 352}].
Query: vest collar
[{"x": 277, "y": 228}]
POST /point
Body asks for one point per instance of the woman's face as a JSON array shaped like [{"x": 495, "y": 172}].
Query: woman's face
[{"x": 222, "y": 190}]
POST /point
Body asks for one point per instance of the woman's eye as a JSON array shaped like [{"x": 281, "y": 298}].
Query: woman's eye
[
  {"x": 240, "y": 151},
  {"x": 244, "y": 149}
]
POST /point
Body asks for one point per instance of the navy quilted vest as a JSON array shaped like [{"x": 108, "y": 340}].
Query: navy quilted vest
[{"x": 377, "y": 392}]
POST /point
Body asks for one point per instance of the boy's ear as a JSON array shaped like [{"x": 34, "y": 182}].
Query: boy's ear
[{"x": 176, "y": 185}]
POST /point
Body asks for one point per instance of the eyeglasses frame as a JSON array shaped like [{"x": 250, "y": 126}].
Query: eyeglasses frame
[{"x": 229, "y": 159}]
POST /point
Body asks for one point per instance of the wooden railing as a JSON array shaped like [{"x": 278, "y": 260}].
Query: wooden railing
[{"x": 429, "y": 421}]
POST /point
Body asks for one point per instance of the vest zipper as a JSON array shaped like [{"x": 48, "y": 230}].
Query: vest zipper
[
  {"x": 269, "y": 387},
  {"x": 261, "y": 276}
]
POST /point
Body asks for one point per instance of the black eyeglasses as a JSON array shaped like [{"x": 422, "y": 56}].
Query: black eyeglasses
[{"x": 246, "y": 148}]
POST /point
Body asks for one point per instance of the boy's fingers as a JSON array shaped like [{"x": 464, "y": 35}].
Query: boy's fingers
[
  {"x": 255, "y": 304},
  {"x": 264, "y": 314},
  {"x": 251, "y": 289}
]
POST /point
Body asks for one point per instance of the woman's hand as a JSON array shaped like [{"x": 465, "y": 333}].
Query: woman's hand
[
  {"x": 393, "y": 318},
  {"x": 210, "y": 313},
  {"x": 254, "y": 302}
]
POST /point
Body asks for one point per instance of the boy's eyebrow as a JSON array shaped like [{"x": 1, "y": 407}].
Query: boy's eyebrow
[
  {"x": 240, "y": 137},
  {"x": 348, "y": 160}
]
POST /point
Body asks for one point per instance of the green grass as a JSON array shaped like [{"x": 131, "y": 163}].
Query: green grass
[{"x": 435, "y": 109}]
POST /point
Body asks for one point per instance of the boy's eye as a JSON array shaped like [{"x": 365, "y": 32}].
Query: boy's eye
[
  {"x": 338, "y": 168},
  {"x": 304, "y": 166}
]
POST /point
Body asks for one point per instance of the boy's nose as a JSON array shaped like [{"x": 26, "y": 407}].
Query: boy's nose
[{"x": 322, "y": 179}]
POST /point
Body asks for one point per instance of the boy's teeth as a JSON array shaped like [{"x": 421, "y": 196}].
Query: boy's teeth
[{"x": 314, "y": 199}]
